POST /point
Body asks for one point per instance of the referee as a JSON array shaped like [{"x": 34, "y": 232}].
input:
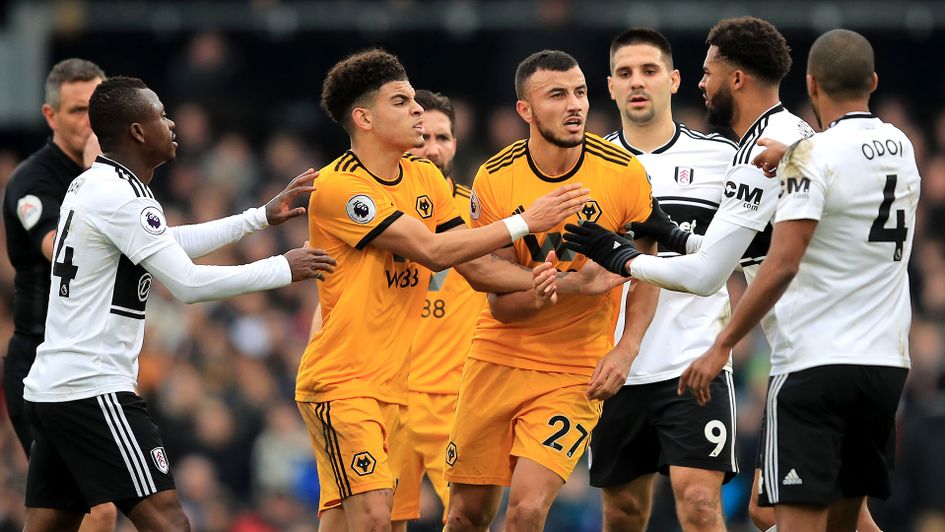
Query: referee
[{"x": 30, "y": 215}]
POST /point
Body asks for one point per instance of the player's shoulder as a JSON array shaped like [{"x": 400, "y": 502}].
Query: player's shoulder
[
  {"x": 414, "y": 161},
  {"x": 606, "y": 154},
  {"x": 506, "y": 157},
  {"x": 461, "y": 191},
  {"x": 707, "y": 141},
  {"x": 777, "y": 124}
]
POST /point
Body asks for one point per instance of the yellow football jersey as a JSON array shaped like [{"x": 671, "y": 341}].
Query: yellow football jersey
[
  {"x": 371, "y": 304},
  {"x": 574, "y": 334},
  {"x": 448, "y": 318}
]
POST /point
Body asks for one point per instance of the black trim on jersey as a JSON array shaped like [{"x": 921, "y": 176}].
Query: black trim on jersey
[
  {"x": 504, "y": 153},
  {"x": 608, "y": 148},
  {"x": 747, "y": 142},
  {"x": 358, "y": 164},
  {"x": 460, "y": 190},
  {"x": 689, "y": 199},
  {"x": 854, "y": 114},
  {"x": 593, "y": 151},
  {"x": 138, "y": 186},
  {"x": 447, "y": 225},
  {"x": 507, "y": 159},
  {"x": 416, "y": 159},
  {"x": 619, "y": 135},
  {"x": 560, "y": 178},
  {"x": 127, "y": 314},
  {"x": 378, "y": 229},
  {"x": 714, "y": 137}
]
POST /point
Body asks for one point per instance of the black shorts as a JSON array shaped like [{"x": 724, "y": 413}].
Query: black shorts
[
  {"x": 646, "y": 428},
  {"x": 20, "y": 356},
  {"x": 90, "y": 451},
  {"x": 829, "y": 434}
]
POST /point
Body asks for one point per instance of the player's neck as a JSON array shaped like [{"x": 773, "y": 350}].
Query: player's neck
[
  {"x": 750, "y": 108},
  {"x": 651, "y": 136},
  {"x": 380, "y": 159},
  {"x": 61, "y": 144},
  {"x": 831, "y": 110},
  {"x": 143, "y": 170},
  {"x": 552, "y": 160}
]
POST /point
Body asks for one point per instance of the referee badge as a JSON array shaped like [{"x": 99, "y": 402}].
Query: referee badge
[
  {"x": 684, "y": 175},
  {"x": 160, "y": 459}
]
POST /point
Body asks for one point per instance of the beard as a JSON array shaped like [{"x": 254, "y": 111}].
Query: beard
[
  {"x": 560, "y": 142},
  {"x": 721, "y": 108},
  {"x": 445, "y": 167}
]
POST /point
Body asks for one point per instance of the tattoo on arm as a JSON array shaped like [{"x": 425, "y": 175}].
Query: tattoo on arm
[{"x": 499, "y": 258}]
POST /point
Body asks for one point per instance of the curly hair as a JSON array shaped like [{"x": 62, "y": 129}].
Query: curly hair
[
  {"x": 754, "y": 45},
  {"x": 353, "y": 78},
  {"x": 115, "y": 104}
]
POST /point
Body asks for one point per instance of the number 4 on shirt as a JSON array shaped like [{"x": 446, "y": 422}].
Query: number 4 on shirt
[
  {"x": 65, "y": 270},
  {"x": 897, "y": 234}
]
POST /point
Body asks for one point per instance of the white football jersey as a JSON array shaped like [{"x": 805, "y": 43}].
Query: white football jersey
[
  {"x": 849, "y": 303},
  {"x": 108, "y": 223},
  {"x": 686, "y": 174},
  {"x": 749, "y": 198}
]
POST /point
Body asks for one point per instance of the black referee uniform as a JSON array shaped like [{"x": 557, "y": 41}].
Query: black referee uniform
[{"x": 38, "y": 184}]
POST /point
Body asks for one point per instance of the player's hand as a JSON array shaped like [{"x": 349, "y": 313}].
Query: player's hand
[
  {"x": 659, "y": 227},
  {"x": 768, "y": 160},
  {"x": 308, "y": 263},
  {"x": 545, "y": 277},
  {"x": 601, "y": 246},
  {"x": 555, "y": 207},
  {"x": 593, "y": 280},
  {"x": 279, "y": 209},
  {"x": 703, "y": 370},
  {"x": 611, "y": 373}
]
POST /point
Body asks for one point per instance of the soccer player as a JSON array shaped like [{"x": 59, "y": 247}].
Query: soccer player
[
  {"x": 94, "y": 440},
  {"x": 536, "y": 373},
  {"x": 646, "y": 427},
  {"x": 30, "y": 211},
  {"x": 442, "y": 338},
  {"x": 389, "y": 219},
  {"x": 741, "y": 85},
  {"x": 836, "y": 280}
]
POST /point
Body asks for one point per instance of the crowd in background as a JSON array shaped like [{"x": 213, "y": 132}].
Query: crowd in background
[{"x": 219, "y": 377}]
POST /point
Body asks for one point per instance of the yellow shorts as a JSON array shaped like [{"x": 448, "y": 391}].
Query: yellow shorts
[
  {"x": 507, "y": 413},
  {"x": 429, "y": 418},
  {"x": 351, "y": 439}
]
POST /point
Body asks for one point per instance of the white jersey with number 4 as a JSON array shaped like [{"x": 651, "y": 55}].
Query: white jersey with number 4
[
  {"x": 109, "y": 222},
  {"x": 686, "y": 174},
  {"x": 849, "y": 303}
]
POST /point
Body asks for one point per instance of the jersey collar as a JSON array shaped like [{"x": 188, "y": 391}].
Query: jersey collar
[
  {"x": 560, "y": 178},
  {"x": 760, "y": 123},
  {"x": 637, "y": 151},
  {"x": 400, "y": 170},
  {"x": 111, "y": 162},
  {"x": 854, "y": 114}
]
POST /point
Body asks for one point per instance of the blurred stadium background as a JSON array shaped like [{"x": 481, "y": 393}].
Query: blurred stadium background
[{"x": 242, "y": 79}]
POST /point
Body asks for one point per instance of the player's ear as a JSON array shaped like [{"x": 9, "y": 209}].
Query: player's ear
[
  {"x": 361, "y": 118},
  {"x": 610, "y": 88},
  {"x": 738, "y": 78},
  {"x": 50, "y": 115},
  {"x": 812, "y": 88},
  {"x": 674, "y": 80},
  {"x": 524, "y": 110},
  {"x": 874, "y": 82},
  {"x": 137, "y": 132}
]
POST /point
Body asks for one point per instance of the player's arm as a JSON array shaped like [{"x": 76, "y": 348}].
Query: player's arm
[
  {"x": 198, "y": 240},
  {"x": 788, "y": 244},
  {"x": 408, "y": 237},
  {"x": 47, "y": 246},
  {"x": 191, "y": 283}
]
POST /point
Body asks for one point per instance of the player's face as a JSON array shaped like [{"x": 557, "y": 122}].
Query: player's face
[
  {"x": 719, "y": 103},
  {"x": 557, "y": 106},
  {"x": 397, "y": 117},
  {"x": 439, "y": 144},
  {"x": 70, "y": 122},
  {"x": 158, "y": 129},
  {"x": 642, "y": 83}
]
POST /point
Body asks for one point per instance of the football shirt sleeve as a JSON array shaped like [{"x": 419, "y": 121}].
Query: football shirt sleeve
[
  {"x": 352, "y": 210},
  {"x": 748, "y": 197},
  {"x": 138, "y": 228},
  {"x": 803, "y": 184},
  {"x": 483, "y": 208}
]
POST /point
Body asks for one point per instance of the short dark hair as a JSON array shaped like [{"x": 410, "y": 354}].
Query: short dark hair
[
  {"x": 354, "y": 77},
  {"x": 434, "y": 101},
  {"x": 116, "y": 104},
  {"x": 554, "y": 60},
  {"x": 642, "y": 36},
  {"x": 842, "y": 63},
  {"x": 69, "y": 71},
  {"x": 754, "y": 45}
]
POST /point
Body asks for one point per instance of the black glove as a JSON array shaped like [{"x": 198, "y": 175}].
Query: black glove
[
  {"x": 660, "y": 228},
  {"x": 604, "y": 247}
]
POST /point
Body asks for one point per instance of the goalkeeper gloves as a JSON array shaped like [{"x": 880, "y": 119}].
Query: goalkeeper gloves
[
  {"x": 604, "y": 247},
  {"x": 660, "y": 228}
]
